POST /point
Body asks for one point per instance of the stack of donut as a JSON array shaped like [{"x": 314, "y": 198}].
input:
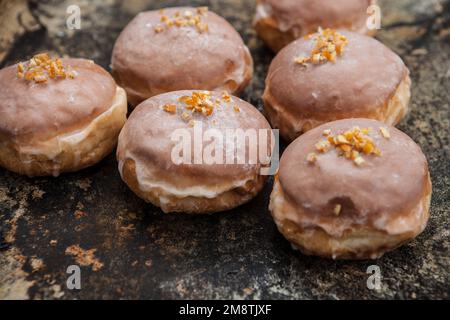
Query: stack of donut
[{"x": 349, "y": 186}]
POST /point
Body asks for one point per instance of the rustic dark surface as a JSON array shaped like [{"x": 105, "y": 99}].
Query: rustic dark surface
[{"x": 236, "y": 254}]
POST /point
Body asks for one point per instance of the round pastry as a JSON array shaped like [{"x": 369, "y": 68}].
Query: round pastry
[
  {"x": 279, "y": 22},
  {"x": 334, "y": 75},
  {"x": 351, "y": 189},
  {"x": 179, "y": 49},
  {"x": 150, "y": 148},
  {"x": 58, "y": 115}
]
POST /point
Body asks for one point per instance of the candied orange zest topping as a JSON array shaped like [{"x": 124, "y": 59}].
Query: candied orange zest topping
[
  {"x": 199, "y": 102},
  {"x": 170, "y": 108},
  {"x": 351, "y": 144},
  {"x": 42, "y": 67},
  {"x": 359, "y": 161},
  {"x": 385, "y": 133},
  {"x": 202, "y": 10},
  {"x": 185, "y": 116},
  {"x": 312, "y": 157},
  {"x": 323, "y": 146},
  {"x": 159, "y": 29},
  {"x": 329, "y": 44},
  {"x": 185, "y": 19}
]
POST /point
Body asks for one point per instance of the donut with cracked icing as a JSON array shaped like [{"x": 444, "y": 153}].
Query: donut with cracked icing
[
  {"x": 58, "y": 115},
  {"x": 181, "y": 48},
  {"x": 279, "y": 22},
  {"x": 351, "y": 189},
  {"x": 333, "y": 75},
  {"x": 148, "y": 143}
]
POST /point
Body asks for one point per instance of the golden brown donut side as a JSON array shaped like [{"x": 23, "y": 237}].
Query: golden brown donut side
[
  {"x": 68, "y": 152},
  {"x": 278, "y": 23},
  {"x": 192, "y": 205},
  {"x": 360, "y": 242}
]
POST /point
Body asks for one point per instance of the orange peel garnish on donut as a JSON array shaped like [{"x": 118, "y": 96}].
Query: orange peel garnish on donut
[
  {"x": 199, "y": 102},
  {"x": 184, "y": 19},
  {"x": 352, "y": 144},
  {"x": 329, "y": 44},
  {"x": 42, "y": 67}
]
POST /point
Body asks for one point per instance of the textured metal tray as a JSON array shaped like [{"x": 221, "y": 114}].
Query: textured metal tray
[{"x": 143, "y": 253}]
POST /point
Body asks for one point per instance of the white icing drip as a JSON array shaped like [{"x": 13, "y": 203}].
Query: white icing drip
[
  {"x": 146, "y": 184},
  {"x": 414, "y": 222},
  {"x": 52, "y": 148}
]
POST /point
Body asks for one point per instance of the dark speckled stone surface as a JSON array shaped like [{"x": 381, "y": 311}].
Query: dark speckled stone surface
[{"x": 236, "y": 254}]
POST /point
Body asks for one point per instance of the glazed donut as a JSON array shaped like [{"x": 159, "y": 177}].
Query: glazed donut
[
  {"x": 279, "y": 22},
  {"x": 334, "y": 75},
  {"x": 180, "y": 49},
  {"x": 351, "y": 189},
  {"x": 57, "y": 115},
  {"x": 146, "y": 147}
]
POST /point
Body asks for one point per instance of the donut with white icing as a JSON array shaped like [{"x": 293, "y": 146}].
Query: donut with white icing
[
  {"x": 148, "y": 143},
  {"x": 58, "y": 115},
  {"x": 359, "y": 77},
  {"x": 279, "y": 22},
  {"x": 180, "y": 48},
  {"x": 351, "y": 189}
]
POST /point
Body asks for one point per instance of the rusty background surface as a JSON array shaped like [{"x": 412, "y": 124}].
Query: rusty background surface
[{"x": 133, "y": 250}]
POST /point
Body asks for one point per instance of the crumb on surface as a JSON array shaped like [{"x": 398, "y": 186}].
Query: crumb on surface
[
  {"x": 36, "y": 263},
  {"x": 84, "y": 257}
]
